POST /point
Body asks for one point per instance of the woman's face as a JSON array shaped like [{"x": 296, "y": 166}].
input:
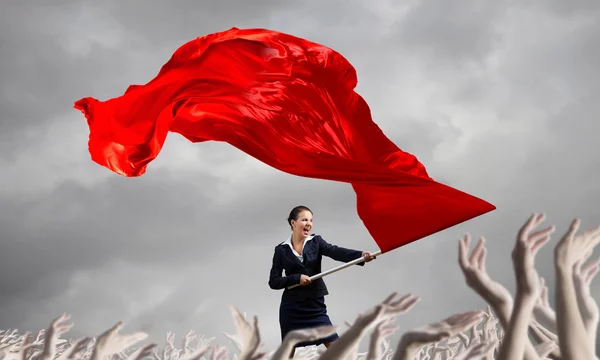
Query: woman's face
[{"x": 303, "y": 224}]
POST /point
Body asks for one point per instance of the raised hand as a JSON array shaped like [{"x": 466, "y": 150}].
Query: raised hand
[
  {"x": 492, "y": 292},
  {"x": 528, "y": 287},
  {"x": 572, "y": 248},
  {"x": 347, "y": 343},
  {"x": 187, "y": 340},
  {"x": 378, "y": 338},
  {"x": 582, "y": 279},
  {"x": 57, "y": 328},
  {"x": 219, "y": 353},
  {"x": 573, "y": 337},
  {"x": 111, "y": 342},
  {"x": 248, "y": 335},
  {"x": 527, "y": 245},
  {"x": 476, "y": 277},
  {"x": 298, "y": 336},
  {"x": 388, "y": 308}
]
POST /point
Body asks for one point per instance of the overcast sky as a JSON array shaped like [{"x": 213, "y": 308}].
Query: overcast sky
[{"x": 496, "y": 98}]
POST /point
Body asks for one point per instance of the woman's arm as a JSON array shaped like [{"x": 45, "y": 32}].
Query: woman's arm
[
  {"x": 276, "y": 279},
  {"x": 338, "y": 253}
]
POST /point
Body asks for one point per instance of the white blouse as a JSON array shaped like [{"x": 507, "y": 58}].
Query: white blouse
[{"x": 289, "y": 242}]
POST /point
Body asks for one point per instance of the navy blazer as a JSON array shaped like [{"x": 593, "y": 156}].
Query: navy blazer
[{"x": 314, "y": 249}]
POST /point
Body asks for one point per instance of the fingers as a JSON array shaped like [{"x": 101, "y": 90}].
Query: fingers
[
  {"x": 463, "y": 248},
  {"x": 533, "y": 221},
  {"x": 368, "y": 256},
  {"x": 587, "y": 256},
  {"x": 305, "y": 280},
  {"x": 590, "y": 233},
  {"x": 478, "y": 248},
  {"x": 240, "y": 322},
  {"x": 544, "y": 294},
  {"x": 573, "y": 228},
  {"x": 591, "y": 238},
  {"x": 58, "y": 322},
  {"x": 536, "y": 240},
  {"x": 541, "y": 233},
  {"x": 113, "y": 330},
  {"x": 255, "y": 322},
  {"x": 589, "y": 276},
  {"x": 386, "y": 328},
  {"x": 220, "y": 353},
  {"x": 577, "y": 267},
  {"x": 405, "y": 303},
  {"x": 478, "y": 256},
  {"x": 482, "y": 256},
  {"x": 542, "y": 240},
  {"x": 135, "y": 337},
  {"x": 391, "y": 297}
]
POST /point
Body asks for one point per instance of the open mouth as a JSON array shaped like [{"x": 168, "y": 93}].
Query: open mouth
[{"x": 306, "y": 231}]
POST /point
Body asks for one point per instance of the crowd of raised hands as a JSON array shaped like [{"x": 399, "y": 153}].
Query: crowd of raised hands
[{"x": 524, "y": 327}]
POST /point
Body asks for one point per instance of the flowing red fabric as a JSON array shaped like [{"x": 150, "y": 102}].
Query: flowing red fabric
[{"x": 289, "y": 103}]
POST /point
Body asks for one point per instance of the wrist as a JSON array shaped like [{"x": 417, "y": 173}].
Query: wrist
[
  {"x": 563, "y": 266},
  {"x": 563, "y": 271},
  {"x": 526, "y": 299},
  {"x": 363, "y": 323}
]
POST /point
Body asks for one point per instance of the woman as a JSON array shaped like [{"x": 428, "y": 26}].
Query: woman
[{"x": 300, "y": 256}]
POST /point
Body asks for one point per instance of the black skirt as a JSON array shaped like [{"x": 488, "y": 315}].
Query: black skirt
[{"x": 294, "y": 315}]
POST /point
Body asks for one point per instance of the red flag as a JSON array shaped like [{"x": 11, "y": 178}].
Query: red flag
[{"x": 289, "y": 103}]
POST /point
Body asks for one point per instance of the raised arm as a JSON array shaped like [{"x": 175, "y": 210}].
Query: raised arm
[
  {"x": 342, "y": 348},
  {"x": 338, "y": 253},
  {"x": 496, "y": 295},
  {"x": 573, "y": 339},
  {"x": 528, "y": 287},
  {"x": 276, "y": 279},
  {"x": 582, "y": 279}
]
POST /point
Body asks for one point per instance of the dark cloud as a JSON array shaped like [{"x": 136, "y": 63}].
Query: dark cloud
[
  {"x": 53, "y": 55},
  {"x": 456, "y": 33}
]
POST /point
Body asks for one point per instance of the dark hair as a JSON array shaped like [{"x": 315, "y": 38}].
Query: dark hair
[{"x": 295, "y": 212}]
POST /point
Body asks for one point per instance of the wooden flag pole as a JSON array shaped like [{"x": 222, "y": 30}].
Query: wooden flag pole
[{"x": 337, "y": 268}]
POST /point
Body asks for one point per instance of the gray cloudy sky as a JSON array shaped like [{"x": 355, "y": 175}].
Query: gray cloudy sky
[{"x": 498, "y": 99}]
